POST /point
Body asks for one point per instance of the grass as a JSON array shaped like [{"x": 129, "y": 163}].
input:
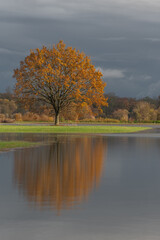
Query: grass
[
  {"x": 90, "y": 122},
  {"x": 70, "y": 129},
  {"x": 4, "y": 145}
]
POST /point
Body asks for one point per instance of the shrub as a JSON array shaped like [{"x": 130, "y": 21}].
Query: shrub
[
  {"x": 7, "y": 107},
  {"x": 85, "y": 112},
  {"x": 101, "y": 120},
  {"x": 8, "y": 120},
  {"x": 144, "y": 112},
  {"x": 29, "y": 116},
  {"x": 121, "y": 114},
  {"x": 70, "y": 113},
  {"x": 50, "y": 119},
  {"x": 44, "y": 118},
  {"x": 158, "y": 114},
  {"x": 2, "y": 117},
  {"x": 18, "y": 116}
]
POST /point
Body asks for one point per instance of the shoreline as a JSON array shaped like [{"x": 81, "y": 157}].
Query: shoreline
[{"x": 6, "y": 146}]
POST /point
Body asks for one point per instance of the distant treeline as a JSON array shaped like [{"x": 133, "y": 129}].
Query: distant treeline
[
  {"x": 120, "y": 109},
  {"x": 131, "y": 109}
]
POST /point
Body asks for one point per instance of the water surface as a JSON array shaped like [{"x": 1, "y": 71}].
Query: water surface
[{"x": 81, "y": 187}]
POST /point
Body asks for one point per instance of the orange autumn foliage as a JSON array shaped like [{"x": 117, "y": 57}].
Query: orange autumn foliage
[{"x": 59, "y": 76}]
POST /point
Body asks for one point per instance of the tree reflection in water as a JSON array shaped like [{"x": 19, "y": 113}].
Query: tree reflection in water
[{"x": 61, "y": 174}]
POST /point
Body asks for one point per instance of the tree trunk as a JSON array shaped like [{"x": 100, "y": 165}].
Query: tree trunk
[{"x": 56, "y": 118}]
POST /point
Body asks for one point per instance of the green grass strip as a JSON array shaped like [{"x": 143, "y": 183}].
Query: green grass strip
[
  {"x": 15, "y": 144},
  {"x": 70, "y": 129}
]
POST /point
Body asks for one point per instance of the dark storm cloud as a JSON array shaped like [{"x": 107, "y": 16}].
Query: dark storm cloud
[{"x": 122, "y": 37}]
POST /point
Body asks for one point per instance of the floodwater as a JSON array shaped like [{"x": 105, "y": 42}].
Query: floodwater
[{"x": 77, "y": 187}]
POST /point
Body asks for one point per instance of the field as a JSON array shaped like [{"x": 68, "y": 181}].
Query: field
[
  {"x": 4, "y": 145},
  {"x": 70, "y": 129}
]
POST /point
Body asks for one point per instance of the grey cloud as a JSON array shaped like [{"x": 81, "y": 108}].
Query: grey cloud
[
  {"x": 153, "y": 89},
  {"x": 143, "y": 9},
  {"x": 9, "y": 51},
  {"x": 117, "y": 34},
  {"x": 142, "y": 78},
  {"x": 113, "y": 39},
  {"x": 4, "y": 50},
  {"x": 137, "y": 86},
  {"x": 112, "y": 73},
  {"x": 153, "y": 39}
]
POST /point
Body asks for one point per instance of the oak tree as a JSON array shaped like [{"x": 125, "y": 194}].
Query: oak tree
[{"x": 58, "y": 76}]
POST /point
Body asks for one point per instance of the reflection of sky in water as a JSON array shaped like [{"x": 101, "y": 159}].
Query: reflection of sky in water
[{"x": 124, "y": 206}]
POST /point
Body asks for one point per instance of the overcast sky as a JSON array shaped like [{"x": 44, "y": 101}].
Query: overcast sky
[{"x": 122, "y": 37}]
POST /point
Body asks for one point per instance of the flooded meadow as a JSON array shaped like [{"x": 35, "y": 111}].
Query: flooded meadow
[{"x": 81, "y": 187}]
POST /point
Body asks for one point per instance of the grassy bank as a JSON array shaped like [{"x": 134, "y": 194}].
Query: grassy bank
[
  {"x": 4, "y": 145},
  {"x": 70, "y": 129}
]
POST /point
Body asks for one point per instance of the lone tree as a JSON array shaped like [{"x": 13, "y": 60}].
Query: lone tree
[{"x": 59, "y": 76}]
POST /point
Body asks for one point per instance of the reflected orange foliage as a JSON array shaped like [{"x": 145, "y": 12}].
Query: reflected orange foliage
[{"x": 62, "y": 174}]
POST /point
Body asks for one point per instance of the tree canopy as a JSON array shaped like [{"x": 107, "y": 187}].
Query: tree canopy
[{"x": 59, "y": 76}]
